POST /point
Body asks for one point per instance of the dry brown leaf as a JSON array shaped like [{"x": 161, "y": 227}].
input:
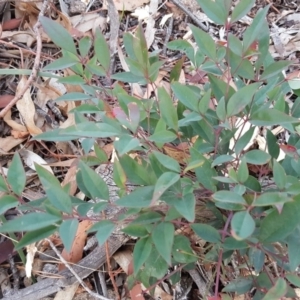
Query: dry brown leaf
[
  {"x": 30, "y": 159},
  {"x": 70, "y": 177},
  {"x": 71, "y": 117},
  {"x": 27, "y": 109},
  {"x": 136, "y": 292},
  {"x": 175, "y": 152},
  {"x": 19, "y": 134},
  {"x": 128, "y": 5},
  {"x": 68, "y": 292},
  {"x": 88, "y": 22},
  {"x": 23, "y": 37},
  {"x": 76, "y": 252},
  {"x": 8, "y": 143},
  {"x": 13, "y": 124},
  {"x": 65, "y": 163},
  {"x": 45, "y": 93}
]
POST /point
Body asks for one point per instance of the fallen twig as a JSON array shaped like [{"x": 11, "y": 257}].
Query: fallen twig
[
  {"x": 36, "y": 65},
  {"x": 190, "y": 14},
  {"x": 74, "y": 273}
]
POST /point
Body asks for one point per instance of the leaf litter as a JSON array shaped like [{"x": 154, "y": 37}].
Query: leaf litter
[{"x": 161, "y": 20}]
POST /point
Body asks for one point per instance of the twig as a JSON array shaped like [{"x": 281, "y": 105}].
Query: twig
[
  {"x": 14, "y": 272},
  {"x": 190, "y": 14},
  {"x": 114, "y": 33},
  {"x": 111, "y": 276},
  {"x": 168, "y": 35},
  {"x": 36, "y": 65},
  {"x": 74, "y": 273}
]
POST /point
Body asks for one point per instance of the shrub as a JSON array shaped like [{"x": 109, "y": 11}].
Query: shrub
[{"x": 242, "y": 201}]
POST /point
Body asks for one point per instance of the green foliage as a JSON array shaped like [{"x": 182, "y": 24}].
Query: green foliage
[{"x": 246, "y": 216}]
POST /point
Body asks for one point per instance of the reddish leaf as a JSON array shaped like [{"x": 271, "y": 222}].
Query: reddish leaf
[
  {"x": 11, "y": 24},
  {"x": 5, "y": 99}
]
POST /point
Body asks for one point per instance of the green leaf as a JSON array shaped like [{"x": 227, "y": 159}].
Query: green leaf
[
  {"x": 243, "y": 172},
  {"x": 16, "y": 176},
  {"x": 276, "y": 226},
  {"x": 154, "y": 70},
  {"x": 73, "y": 97},
  {"x": 204, "y": 102},
  {"x": 293, "y": 243},
  {"x": 293, "y": 279},
  {"x": 277, "y": 291},
  {"x": 214, "y": 11},
  {"x": 155, "y": 265},
  {"x": 140, "y": 47},
  {"x": 186, "y": 206},
  {"x": 279, "y": 175},
  {"x": 231, "y": 243},
  {"x": 257, "y": 259},
  {"x": 67, "y": 232},
  {"x": 271, "y": 198},
  {"x": 29, "y": 222},
  {"x": 104, "y": 230},
  {"x": 58, "y": 34},
  {"x": 180, "y": 45},
  {"x": 61, "y": 63},
  {"x": 186, "y": 95},
  {"x": 135, "y": 230},
  {"x": 141, "y": 197},
  {"x": 252, "y": 184},
  {"x": 3, "y": 186},
  {"x": 175, "y": 72},
  {"x": 7, "y": 202},
  {"x": 163, "y": 237},
  {"x": 141, "y": 252},
  {"x": 147, "y": 218},
  {"x": 140, "y": 174},
  {"x": 221, "y": 110},
  {"x": 205, "y": 42},
  {"x": 241, "y": 9},
  {"x": 241, "y": 99},
  {"x": 222, "y": 159},
  {"x": 35, "y": 236},
  {"x": 239, "y": 285},
  {"x": 89, "y": 129},
  {"x": 207, "y": 232},
  {"x": 271, "y": 116},
  {"x": 244, "y": 140},
  {"x": 257, "y": 157},
  {"x": 102, "y": 50},
  {"x": 163, "y": 136},
  {"x": 242, "y": 225},
  {"x": 92, "y": 182},
  {"x": 220, "y": 88},
  {"x": 167, "y": 161},
  {"x": 273, "y": 147},
  {"x": 182, "y": 251},
  {"x": 253, "y": 32},
  {"x": 274, "y": 69},
  {"x": 125, "y": 144},
  {"x": 72, "y": 80},
  {"x": 85, "y": 44},
  {"x": 194, "y": 164},
  {"x": 167, "y": 109},
  {"x": 129, "y": 77},
  {"x": 58, "y": 197},
  {"x": 94, "y": 68},
  {"x": 166, "y": 180},
  {"x": 119, "y": 175},
  {"x": 229, "y": 197}
]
